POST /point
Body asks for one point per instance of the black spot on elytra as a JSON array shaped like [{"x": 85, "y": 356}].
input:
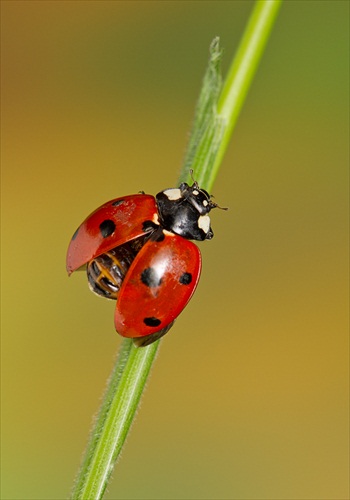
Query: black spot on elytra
[
  {"x": 152, "y": 321},
  {"x": 150, "y": 278},
  {"x": 107, "y": 228},
  {"x": 149, "y": 226},
  {"x": 185, "y": 278},
  {"x": 75, "y": 234},
  {"x": 117, "y": 203}
]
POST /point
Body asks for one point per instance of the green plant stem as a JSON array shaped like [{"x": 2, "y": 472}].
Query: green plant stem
[
  {"x": 114, "y": 419},
  {"x": 215, "y": 118},
  {"x": 242, "y": 71},
  {"x": 209, "y": 153}
]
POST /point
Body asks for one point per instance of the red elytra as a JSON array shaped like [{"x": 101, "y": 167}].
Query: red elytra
[
  {"x": 128, "y": 215},
  {"x": 142, "y": 309}
]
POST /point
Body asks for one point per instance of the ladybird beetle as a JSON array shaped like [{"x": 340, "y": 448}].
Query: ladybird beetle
[{"x": 136, "y": 250}]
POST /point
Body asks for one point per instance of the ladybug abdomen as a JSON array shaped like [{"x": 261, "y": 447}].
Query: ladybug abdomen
[{"x": 107, "y": 271}]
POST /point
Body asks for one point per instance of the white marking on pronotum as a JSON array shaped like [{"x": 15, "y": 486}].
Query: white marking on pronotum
[
  {"x": 204, "y": 223},
  {"x": 172, "y": 194},
  {"x": 168, "y": 233},
  {"x": 155, "y": 219},
  {"x": 195, "y": 192}
]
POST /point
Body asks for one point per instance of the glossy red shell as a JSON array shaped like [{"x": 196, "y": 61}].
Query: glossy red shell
[
  {"x": 128, "y": 215},
  {"x": 175, "y": 265}
]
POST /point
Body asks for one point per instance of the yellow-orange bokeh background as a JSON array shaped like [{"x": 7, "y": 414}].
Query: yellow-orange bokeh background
[{"x": 248, "y": 396}]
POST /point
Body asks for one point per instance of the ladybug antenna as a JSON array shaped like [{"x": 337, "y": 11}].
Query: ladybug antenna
[
  {"x": 215, "y": 205},
  {"x": 195, "y": 183}
]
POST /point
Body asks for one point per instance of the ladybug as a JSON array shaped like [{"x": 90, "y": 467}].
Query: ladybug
[{"x": 136, "y": 250}]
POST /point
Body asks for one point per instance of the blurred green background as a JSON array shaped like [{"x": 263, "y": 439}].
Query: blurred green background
[{"x": 248, "y": 396}]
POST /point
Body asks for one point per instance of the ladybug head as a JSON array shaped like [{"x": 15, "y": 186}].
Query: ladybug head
[
  {"x": 198, "y": 198},
  {"x": 184, "y": 211}
]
